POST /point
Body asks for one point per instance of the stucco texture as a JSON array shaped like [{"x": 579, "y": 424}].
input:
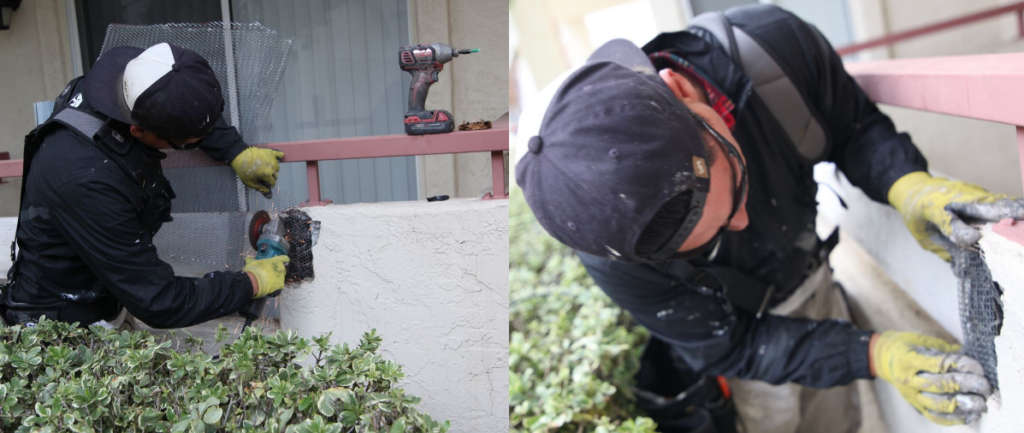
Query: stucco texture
[
  {"x": 1005, "y": 259},
  {"x": 432, "y": 278},
  {"x": 894, "y": 284}
]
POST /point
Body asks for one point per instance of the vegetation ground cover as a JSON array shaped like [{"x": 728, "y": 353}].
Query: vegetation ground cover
[
  {"x": 572, "y": 351},
  {"x": 56, "y": 377}
]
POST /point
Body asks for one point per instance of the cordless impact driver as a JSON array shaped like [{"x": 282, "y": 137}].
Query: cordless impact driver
[{"x": 424, "y": 62}]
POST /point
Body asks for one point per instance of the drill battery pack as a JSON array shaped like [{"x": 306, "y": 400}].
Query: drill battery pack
[{"x": 427, "y": 122}]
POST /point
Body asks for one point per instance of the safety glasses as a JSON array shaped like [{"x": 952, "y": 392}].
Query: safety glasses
[{"x": 670, "y": 249}]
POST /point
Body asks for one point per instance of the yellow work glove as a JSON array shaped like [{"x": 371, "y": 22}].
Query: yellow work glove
[
  {"x": 935, "y": 206},
  {"x": 257, "y": 167},
  {"x": 946, "y": 387},
  {"x": 269, "y": 273}
]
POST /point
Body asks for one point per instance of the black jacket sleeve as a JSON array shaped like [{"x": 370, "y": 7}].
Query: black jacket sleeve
[
  {"x": 865, "y": 144},
  {"x": 223, "y": 143},
  {"x": 713, "y": 337},
  {"x": 99, "y": 221}
]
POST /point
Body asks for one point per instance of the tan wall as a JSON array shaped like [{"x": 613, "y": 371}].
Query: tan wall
[
  {"x": 980, "y": 152},
  {"x": 470, "y": 87},
  {"x": 36, "y": 66}
]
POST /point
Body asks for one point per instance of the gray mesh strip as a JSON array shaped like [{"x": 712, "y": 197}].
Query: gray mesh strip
[
  {"x": 84, "y": 123},
  {"x": 981, "y": 312},
  {"x": 782, "y": 98}
]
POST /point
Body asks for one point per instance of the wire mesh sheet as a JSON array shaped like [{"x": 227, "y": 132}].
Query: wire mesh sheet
[
  {"x": 981, "y": 308},
  {"x": 212, "y": 208}
]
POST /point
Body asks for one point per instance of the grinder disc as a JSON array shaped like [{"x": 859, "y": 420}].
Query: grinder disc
[{"x": 256, "y": 226}]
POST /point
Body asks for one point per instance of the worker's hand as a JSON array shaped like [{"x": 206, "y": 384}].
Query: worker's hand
[
  {"x": 257, "y": 167},
  {"x": 933, "y": 206},
  {"x": 269, "y": 274},
  {"x": 946, "y": 387}
]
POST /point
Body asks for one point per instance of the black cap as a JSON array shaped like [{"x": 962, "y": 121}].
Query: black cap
[
  {"x": 614, "y": 146},
  {"x": 165, "y": 88}
]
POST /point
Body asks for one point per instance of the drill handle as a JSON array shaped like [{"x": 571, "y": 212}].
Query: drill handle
[{"x": 420, "y": 85}]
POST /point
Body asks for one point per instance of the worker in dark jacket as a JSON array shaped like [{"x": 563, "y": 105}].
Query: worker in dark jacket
[
  {"x": 94, "y": 196},
  {"x": 692, "y": 206}
]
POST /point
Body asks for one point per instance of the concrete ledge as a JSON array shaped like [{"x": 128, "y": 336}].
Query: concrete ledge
[{"x": 432, "y": 278}]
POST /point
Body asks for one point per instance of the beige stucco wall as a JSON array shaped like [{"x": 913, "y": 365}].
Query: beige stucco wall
[
  {"x": 470, "y": 87},
  {"x": 432, "y": 278},
  {"x": 36, "y": 65}
]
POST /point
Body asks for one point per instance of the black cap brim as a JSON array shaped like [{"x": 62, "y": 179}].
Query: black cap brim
[
  {"x": 103, "y": 83},
  {"x": 624, "y": 53}
]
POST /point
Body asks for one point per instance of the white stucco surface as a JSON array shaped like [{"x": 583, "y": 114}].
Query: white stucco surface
[
  {"x": 432, "y": 278},
  {"x": 894, "y": 284},
  {"x": 7, "y": 227},
  {"x": 1006, "y": 261}
]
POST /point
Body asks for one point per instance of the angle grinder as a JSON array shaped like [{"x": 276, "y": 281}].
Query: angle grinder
[{"x": 293, "y": 233}]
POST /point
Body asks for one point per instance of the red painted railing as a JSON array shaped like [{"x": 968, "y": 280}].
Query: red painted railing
[
  {"x": 985, "y": 87},
  {"x": 901, "y": 36},
  {"x": 493, "y": 141}
]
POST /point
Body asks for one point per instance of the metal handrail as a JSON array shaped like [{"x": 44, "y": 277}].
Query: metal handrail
[
  {"x": 985, "y": 87},
  {"x": 494, "y": 140},
  {"x": 967, "y": 19}
]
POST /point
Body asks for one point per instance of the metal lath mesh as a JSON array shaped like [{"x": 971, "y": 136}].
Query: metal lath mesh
[
  {"x": 981, "y": 308},
  {"x": 212, "y": 209}
]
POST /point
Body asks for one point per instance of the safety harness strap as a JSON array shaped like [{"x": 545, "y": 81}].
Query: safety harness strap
[
  {"x": 772, "y": 86},
  {"x": 81, "y": 123}
]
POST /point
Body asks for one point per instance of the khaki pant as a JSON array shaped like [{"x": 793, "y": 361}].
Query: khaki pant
[
  {"x": 791, "y": 408},
  {"x": 124, "y": 322}
]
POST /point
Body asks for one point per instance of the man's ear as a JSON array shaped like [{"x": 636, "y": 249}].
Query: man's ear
[
  {"x": 680, "y": 86},
  {"x": 136, "y": 131}
]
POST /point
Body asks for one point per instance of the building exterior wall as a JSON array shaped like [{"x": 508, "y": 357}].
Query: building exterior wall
[
  {"x": 470, "y": 87},
  {"x": 36, "y": 67},
  {"x": 432, "y": 278}
]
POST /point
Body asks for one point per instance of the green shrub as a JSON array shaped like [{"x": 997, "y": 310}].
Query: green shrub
[
  {"x": 55, "y": 377},
  {"x": 572, "y": 351}
]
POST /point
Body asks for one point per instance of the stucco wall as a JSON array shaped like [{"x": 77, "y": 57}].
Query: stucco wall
[
  {"x": 894, "y": 284},
  {"x": 432, "y": 278},
  {"x": 1006, "y": 261}
]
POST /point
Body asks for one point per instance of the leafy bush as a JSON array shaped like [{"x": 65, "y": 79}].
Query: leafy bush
[
  {"x": 56, "y": 377},
  {"x": 572, "y": 351}
]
